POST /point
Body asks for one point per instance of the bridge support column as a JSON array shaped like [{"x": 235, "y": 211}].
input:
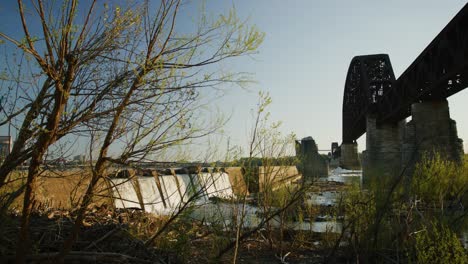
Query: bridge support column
[
  {"x": 431, "y": 130},
  {"x": 312, "y": 164},
  {"x": 349, "y": 156},
  {"x": 382, "y": 157}
]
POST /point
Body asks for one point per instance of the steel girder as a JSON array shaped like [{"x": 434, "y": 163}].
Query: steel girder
[
  {"x": 440, "y": 71},
  {"x": 369, "y": 78}
]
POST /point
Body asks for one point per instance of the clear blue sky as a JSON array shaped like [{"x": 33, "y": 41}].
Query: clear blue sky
[{"x": 306, "y": 53}]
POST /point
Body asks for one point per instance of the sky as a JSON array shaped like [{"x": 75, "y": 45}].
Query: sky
[{"x": 306, "y": 52}]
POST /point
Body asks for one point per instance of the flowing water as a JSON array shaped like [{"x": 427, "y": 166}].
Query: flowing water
[
  {"x": 173, "y": 191},
  {"x": 176, "y": 190},
  {"x": 344, "y": 176},
  {"x": 151, "y": 196},
  {"x": 124, "y": 189}
]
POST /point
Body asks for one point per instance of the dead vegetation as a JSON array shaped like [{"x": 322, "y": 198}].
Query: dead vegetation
[{"x": 105, "y": 237}]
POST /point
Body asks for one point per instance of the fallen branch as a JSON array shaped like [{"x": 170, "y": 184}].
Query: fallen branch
[
  {"x": 110, "y": 233},
  {"x": 81, "y": 256}
]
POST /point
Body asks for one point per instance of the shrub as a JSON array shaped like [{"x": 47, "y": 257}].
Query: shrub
[{"x": 438, "y": 244}]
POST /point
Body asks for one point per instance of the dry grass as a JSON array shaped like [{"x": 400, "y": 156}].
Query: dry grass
[{"x": 58, "y": 189}]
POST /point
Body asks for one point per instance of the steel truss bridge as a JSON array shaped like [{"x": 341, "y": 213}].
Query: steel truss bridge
[{"x": 440, "y": 71}]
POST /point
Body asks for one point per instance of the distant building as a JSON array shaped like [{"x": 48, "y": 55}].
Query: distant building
[{"x": 5, "y": 146}]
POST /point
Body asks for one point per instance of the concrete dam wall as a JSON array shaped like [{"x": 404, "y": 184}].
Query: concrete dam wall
[{"x": 166, "y": 192}]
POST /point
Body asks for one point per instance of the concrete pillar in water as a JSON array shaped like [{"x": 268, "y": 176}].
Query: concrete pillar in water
[
  {"x": 431, "y": 130},
  {"x": 312, "y": 164},
  {"x": 335, "y": 154},
  {"x": 382, "y": 158},
  {"x": 349, "y": 156}
]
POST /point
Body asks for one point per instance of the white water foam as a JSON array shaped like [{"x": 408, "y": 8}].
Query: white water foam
[
  {"x": 216, "y": 185},
  {"x": 124, "y": 193},
  {"x": 176, "y": 190},
  {"x": 151, "y": 196}
]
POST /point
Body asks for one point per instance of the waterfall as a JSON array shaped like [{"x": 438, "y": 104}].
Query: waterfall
[
  {"x": 151, "y": 196},
  {"x": 170, "y": 189},
  {"x": 217, "y": 184},
  {"x": 125, "y": 194},
  {"x": 173, "y": 191},
  {"x": 185, "y": 186}
]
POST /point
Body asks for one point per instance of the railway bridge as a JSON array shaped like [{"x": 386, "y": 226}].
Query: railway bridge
[{"x": 378, "y": 104}]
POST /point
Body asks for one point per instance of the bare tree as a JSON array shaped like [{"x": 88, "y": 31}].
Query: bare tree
[
  {"x": 121, "y": 72},
  {"x": 267, "y": 144}
]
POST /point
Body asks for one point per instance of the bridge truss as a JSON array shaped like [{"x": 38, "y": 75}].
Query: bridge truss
[{"x": 440, "y": 71}]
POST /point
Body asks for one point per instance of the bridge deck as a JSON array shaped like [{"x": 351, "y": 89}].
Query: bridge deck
[{"x": 440, "y": 71}]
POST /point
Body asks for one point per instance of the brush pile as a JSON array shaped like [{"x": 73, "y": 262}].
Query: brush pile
[{"x": 105, "y": 237}]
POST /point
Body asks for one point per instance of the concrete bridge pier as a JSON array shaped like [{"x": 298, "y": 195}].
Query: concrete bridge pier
[
  {"x": 431, "y": 130},
  {"x": 349, "y": 156},
  {"x": 382, "y": 157},
  {"x": 312, "y": 164}
]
